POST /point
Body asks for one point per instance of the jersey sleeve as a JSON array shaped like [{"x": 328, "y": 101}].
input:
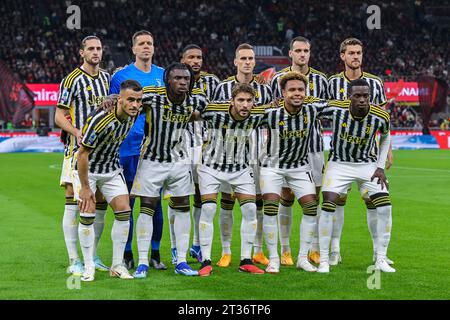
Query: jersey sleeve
[
  {"x": 200, "y": 102},
  {"x": 385, "y": 126},
  {"x": 330, "y": 91},
  {"x": 148, "y": 94},
  {"x": 323, "y": 94},
  {"x": 214, "y": 82},
  {"x": 380, "y": 98},
  {"x": 92, "y": 130},
  {"x": 114, "y": 87},
  {"x": 275, "y": 86},
  {"x": 218, "y": 93},
  {"x": 66, "y": 92},
  {"x": 325, "y": 110}
]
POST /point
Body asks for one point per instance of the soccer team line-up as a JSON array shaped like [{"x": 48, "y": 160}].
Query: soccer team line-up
[{"x": 150, "y": 132}]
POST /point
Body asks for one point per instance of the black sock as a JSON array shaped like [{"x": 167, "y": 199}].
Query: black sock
[
  {"x": 245, "y": 261},
  {"x": 155, "y": 255}
]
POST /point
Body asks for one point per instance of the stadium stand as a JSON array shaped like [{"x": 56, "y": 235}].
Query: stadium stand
[{"x": 413, "y": 39}]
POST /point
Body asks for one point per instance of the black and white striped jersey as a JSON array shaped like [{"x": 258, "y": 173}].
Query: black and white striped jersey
[
  {"x": 354, "y": 139},
  {"x": 207, "y": 83},
  {"x": 81, "y": 93},
  {"x": 288, "y": 135},
  {"x": 166, "y": 124},
  {"x": 338, "y": 88},
  {"x": 228, "y": 146},
  {"x": 317, "y": 87},
  {"x": 263, "y": 93},
  {"x": 104, "y": 132}
]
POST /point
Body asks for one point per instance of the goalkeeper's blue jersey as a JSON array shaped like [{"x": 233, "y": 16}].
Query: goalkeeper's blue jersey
[{"x": 132, "y": 144}]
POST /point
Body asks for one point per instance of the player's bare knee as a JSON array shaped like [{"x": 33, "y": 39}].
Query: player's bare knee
[
  {"x": 309, "y": 204},
  {"x": 148, "y": 205},
  {"x": 180, "y": 203},
  {"x": 69, "y": 190},
  {"x": 329, "y": 201},
  {"x": 121, "y": 203},
  {"x": 341, "y": 200}
]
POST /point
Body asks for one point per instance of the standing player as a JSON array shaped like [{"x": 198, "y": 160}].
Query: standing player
[
  {"x": 300, "y": 52},
  {"x": 162, "y": 163},
  {"x": 351, "y": 53},
  {"x": 226, "y": 160},
  {"x": 147, "y": 74},
  {"x": 352, "y": 158},
  {"x": 290, "y": 125},
  {"x": 79, "y": 94},
  {"x": 98, "y": 166},
  {"x": 245, "y": 64},
  {"x": 192, "y": 55}
]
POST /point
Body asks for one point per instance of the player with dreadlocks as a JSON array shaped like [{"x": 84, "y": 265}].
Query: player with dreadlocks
[{"x": 163, "y": 162}]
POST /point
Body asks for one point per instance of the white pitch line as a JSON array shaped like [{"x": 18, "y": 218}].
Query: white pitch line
[
  {"x": 55, "y": 166},
  {"x": 421, "y": 169}
]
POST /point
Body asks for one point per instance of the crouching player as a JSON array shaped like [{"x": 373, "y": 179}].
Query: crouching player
[{"x": 98, "y": 166}]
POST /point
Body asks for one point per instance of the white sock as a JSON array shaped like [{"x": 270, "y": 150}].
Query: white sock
[
  {"x": 372, "y": 224},
  {"x": 207, "y": 228},
  {"x": 338, "y": 224},
  {"x": 119, "y": 236},
  {"x": 196, "y": 212},
  {"x": 284, "y": 226},
  {"x": 226, "y": 229},
  {"x": 258, "y": 243},
  {"x": 86, "y": 235},
  {"x": 144, "y": 231},
  {"x": 70, "y": 230},
  {"x": 384, "y": 227},
  {"x": 182, "y": 228},
  {"x": 307, "y": 227},
  {"x": 248, "y": 229},
  {"x": 270, "y": 230},
  {"x": 315, "y": 239},
  {"x": 325, "y": 229},
  {"x": 171, "y": 214},
  {"x": 99, "y": 224}
]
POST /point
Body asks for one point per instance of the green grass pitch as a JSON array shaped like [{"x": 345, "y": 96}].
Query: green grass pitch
[{"x": 33, "y": 256}]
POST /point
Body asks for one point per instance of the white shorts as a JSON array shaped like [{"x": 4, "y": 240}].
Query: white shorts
[
  {"x": 196, "y": 159},
  {"x": 210, "y": 180},
  {"x": 226, "y": 187},
  {"x": 339, "y": 176},
  {"x": 152, "y": 176},
  {"x": 66, "y": 172},
  {"x": 317, "y": 162},
  {"x": 110, "y": 184},
  {"x": 299, "y": 180}
]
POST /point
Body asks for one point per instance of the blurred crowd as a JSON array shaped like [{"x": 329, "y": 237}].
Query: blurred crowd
[{"x": 37, "y": 45}]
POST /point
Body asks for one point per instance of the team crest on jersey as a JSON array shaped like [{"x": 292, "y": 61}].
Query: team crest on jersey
[
  {"x": 205, "y": 87},
  {"x": 305, "y": 119},
  {"x": 256, "y": 94},
  {"x": 166, "y": 106},
  {"x": 344, "y": 125},
  {"x": 225, "y": 126},
  {"x": 89, "y": 88},
  {"x": 281, "y": 123},
  {"x": 368, "y": 129},
  {"x": 341, "y": 90},
  {"x": 311, "y": 86}
]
